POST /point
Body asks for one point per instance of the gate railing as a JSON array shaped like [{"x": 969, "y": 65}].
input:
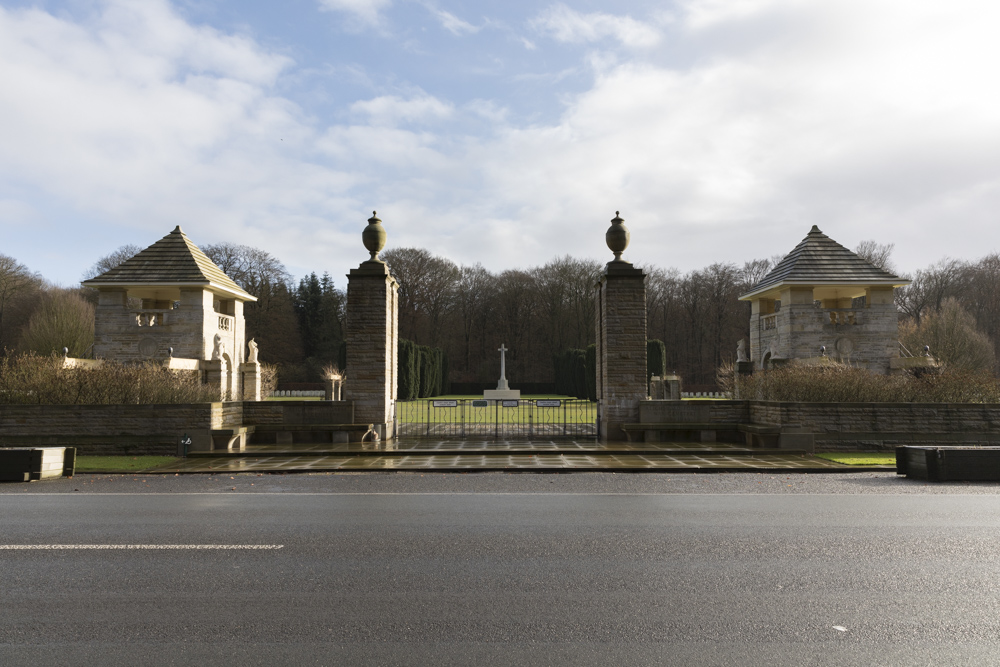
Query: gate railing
[{"x": 521, "y": 419}]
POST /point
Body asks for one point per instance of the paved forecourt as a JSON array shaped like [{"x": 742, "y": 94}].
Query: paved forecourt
[{"x": 550, "y": 456}]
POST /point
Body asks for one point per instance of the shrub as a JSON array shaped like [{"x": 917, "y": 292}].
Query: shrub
[
  {"x": 63, "y": 319},
  {"x": 846, "y": 384},
  {"x": 268, "y": 380},
  {"x": 953, "y": 337},
  {"x": 31, "y": 378},
  {"x": 656, "y": 358}
]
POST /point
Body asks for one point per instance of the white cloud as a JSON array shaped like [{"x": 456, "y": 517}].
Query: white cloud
[
  {"x": 568, "y": 25},
  {"x": 867, "y": 120},
  {"x": 453, "y": 24},
  {"x": 366, "y": 12},
  {"x": 391, "y": 109}
]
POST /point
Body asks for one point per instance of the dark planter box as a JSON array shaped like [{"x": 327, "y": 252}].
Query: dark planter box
[
  {"x": 32, "y": 464},
  {"x": 949, "y": 464}
]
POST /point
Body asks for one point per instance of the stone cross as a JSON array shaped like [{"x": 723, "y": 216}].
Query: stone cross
[{"x": 502, "y": 384}]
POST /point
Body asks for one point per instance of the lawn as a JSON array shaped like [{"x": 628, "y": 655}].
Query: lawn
[
  {"x": 294, "y": 398},
  {"x": 572, "y": 411},
  {"x": 860, "y": 458},
  {"x": 120, "y": 463}
]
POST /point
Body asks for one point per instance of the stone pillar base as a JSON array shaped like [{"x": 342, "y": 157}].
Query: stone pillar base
[
  {"x": 250, "y": 374},
  {"x": 214, "y": 373}
]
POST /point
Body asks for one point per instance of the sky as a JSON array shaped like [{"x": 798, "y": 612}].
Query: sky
[{"x": 504, "y": 133}]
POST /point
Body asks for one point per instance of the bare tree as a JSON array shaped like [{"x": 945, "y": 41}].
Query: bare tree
[
  {"x": 953, "y": 337},
  {"x": 256, "y": 271},
  {"x": 112, "y": 259},
  {"x": 426, "y": 290},
  {"x": 930, "y": 287},
  {"x": 16, "y": 282},
  {"x": 877, "y": 254}
]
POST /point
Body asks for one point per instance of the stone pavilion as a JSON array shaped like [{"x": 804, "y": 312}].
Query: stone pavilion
[
  {"x": 171, "y": 303},
  {"x": 824, "y": 303}
]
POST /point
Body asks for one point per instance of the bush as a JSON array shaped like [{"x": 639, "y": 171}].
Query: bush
[
  {"x": 63, "y": 319},
  {"x": 846, "y": 384},
  {"x": 421, "y": 371},
  {"x": 28, "y": 378},
  {"x": 570, "y": 368},
  {"x": 268, "y": 380},
  {"x": 656, "y": 358},
  {"x": 953, "y": 337}
]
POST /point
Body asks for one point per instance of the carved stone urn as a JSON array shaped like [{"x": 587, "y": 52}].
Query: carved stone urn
[
  {"x": 617, "y": 236},
  {"x": 374, "y": 237}
]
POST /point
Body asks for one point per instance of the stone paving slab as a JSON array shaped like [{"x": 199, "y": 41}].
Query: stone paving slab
[
  {"x": 458, "y": 447},
  {"x": 536, "y": 462}
]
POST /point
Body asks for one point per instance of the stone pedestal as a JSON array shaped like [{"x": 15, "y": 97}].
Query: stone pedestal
[
  {"x": 333, "y": 389},
  {"x": 371, "y": 331},
  {"x": 501, "y": 394},
  {"x": 621, "y": 347},
  {"x": 250, "y": 373}
]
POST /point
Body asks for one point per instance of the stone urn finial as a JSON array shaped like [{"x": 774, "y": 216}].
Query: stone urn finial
[
  {"x": 374, "y": 237},
  {"x": 617, "y": 236}
]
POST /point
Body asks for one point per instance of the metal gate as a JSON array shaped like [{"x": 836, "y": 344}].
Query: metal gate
[{"x": 521, "y": 419}]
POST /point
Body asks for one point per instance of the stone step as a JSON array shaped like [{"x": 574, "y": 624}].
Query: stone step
[
  {"x": 354, "y": 449},
  {"x": 556, "y": 462}
]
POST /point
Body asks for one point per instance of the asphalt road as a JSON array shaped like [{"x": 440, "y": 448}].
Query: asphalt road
[{"x": 586, "y": 569}]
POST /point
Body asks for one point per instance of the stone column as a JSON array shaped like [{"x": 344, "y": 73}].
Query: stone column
[
  {"x": 621, "y": 338},
  {"x": 371, "y": 330}
]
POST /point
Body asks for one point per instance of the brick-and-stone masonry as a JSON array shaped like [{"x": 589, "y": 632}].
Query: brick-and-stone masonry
[
  {"x": 371, "y": 332},
  {"x": 621, "y": 346}
]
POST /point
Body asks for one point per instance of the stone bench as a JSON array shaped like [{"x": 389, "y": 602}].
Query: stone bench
[
  {"x": 231, "y": 439},
  {"x": 290, "y": 434},
  {"x": 949, "y": 464},
  {"x": 30, "y": 464},
  {"x": 760, "y": 435}
]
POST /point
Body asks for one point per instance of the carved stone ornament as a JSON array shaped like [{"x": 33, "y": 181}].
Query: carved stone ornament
[
  {"x": 147, "y": 347},
  {"x": 374, "y": 237},
  {"x": 617, "y": 236}
]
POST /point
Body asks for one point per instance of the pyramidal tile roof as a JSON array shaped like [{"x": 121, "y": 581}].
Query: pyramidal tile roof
[
  {"x": 173, "y": 260},
  {"x": 819, "y": 260}
]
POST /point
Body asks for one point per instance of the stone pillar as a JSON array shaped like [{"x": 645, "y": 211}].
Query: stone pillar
[
  {"x": 371, "y": 330},
  {"x": 621, "y": 338},
  {"x": 216, "y": 374},
  {"x": 250, "y": 372}
]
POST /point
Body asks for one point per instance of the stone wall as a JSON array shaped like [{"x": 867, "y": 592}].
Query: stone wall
[
  {"x": 872, "y": 426},
  {"x": 845, "y": 426},
  {"x": 116, "y": 429},
  {"x": 620, "y": 302},
  {"x": 867, "y": 337},
  {"x": 732, "y": 412},
  {"x": 147, "y": 331},
  {"x": 298, "y": 412}
]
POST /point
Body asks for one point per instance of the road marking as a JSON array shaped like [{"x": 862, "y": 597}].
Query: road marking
[
  {"x": 282, "y": 493},
  {"x": 74, "y": 547}
]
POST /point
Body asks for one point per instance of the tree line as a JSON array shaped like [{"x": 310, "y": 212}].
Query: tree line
[{"x": 538, "y": 314}]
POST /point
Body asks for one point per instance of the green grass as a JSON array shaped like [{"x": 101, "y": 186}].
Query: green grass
[
  {"x": 121, "y": 463},
  {"x": 422, "y": 411},
  {"x": 294, "y": 398},
  {"x": 860, "y": 458}
]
